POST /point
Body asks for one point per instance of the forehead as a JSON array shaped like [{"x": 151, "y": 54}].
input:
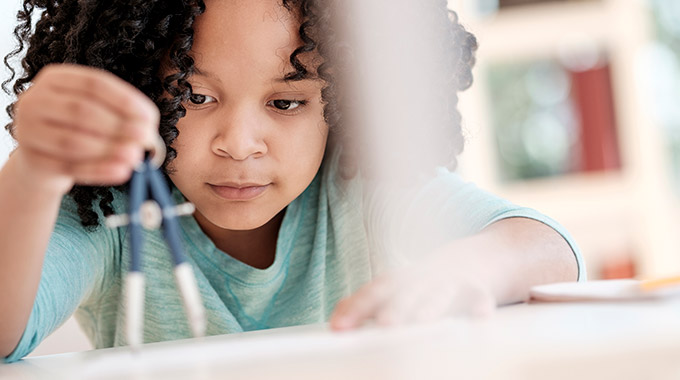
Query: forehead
[{"x": 256, "y": 32}]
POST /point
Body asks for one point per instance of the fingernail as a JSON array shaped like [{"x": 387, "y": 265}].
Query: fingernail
[
  {"x": 130, "y": 154},
  {"x": 142, "y": 109},
  {"x": 341, "y": 323},
  {"x": 484, "y": 310},
  {"x": 150, "y": 136},
  {"x": 385, "y": 319},
  {"x": 137, "y": 157}
]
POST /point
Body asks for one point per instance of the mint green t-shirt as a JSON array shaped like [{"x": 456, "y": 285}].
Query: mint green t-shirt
[{"x": 327, "y": 247}]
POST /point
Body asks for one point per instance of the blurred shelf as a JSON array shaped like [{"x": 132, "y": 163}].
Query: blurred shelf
[
  {"x": 600, "y": 188},
  {"x": 632, "y": 211},
  {"x": 512, "y": 33}
]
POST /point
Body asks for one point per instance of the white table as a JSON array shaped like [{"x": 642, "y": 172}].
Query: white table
[{"x": 628, "y": 340}]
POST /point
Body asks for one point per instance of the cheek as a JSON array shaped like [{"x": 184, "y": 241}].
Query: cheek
[
  {"x": 311, "y": 146},
  {"x": 316, "y": 131},
  {"x": 178, "y": 173},
  {"x": 187, "y": 141},
  {"x": 300, "y": 155},
  {"x": 313, "y": 155}
]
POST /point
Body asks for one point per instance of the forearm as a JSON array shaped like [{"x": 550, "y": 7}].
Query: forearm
[
  {"x": 27, "y": 219},
  {"x": 510, "y": 256},
  {"x": 471, "y": 276}
]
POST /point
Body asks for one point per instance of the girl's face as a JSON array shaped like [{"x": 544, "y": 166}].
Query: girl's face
[{"x": 250, "y": 142}]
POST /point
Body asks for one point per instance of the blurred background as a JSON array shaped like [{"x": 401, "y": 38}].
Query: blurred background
[
  {"x": 575, "y": 111},
  {"x": 8, "y": 10}
]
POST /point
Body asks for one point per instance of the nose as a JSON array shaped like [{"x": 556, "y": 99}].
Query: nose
[{"x": 240, "y": 134}]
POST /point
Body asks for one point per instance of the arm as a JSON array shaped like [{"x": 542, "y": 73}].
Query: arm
[
  {"x": 468, "y": 276},
  {"x": 74, "y": 125},
  {"x": 483, "y": 252},
  {"x": 79, "y": 266},
  {"x": 28, "y": 216},
  {"x": 512, "y": 255}
]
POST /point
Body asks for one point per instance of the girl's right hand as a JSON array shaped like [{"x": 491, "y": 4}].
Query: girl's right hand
[{"x": 81, "y": 125}]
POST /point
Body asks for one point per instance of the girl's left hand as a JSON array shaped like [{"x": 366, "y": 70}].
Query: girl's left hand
[{"x": 423, "y": 292}]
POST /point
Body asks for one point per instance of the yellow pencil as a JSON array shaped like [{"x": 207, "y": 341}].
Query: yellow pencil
[{"x": 658, "y": 283}]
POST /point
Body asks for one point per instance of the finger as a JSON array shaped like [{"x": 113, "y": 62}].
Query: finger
[
  {"x": 64, "y": 144},
  {"x": 482, "y": 304},
  {"x": 86, "y": 115},
  {"x": 101, "y": 86},
  {"x": 472, "y": 300},
  {"x": 106, "y": 172},
  {"x": 435, "y": 307},
  {"x": 354, "y": 310},
  {"x": 402, "y": 307}
]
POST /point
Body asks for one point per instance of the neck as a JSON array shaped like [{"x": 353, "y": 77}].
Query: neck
[{"x": 256, "y": 247}]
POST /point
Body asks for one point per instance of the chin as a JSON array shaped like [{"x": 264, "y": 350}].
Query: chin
[{"x": 236, "y": 222}]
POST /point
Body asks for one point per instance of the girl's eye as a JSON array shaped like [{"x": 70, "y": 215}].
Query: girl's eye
[
  {"x": 287, "y": 105},
  {"x": 199, "y": 99}
]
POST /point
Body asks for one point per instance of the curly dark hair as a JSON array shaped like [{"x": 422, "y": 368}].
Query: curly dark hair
[{"x": 132, "y": 38}]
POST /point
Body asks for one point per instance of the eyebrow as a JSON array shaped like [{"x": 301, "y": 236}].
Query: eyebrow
[
  {"x": 207, "y": 74},
  {"x": 211, "y": 75},
  {"x": 285, "y": 80}
]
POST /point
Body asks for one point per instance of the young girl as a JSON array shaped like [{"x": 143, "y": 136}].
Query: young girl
[{"x": 245, "y": 95}]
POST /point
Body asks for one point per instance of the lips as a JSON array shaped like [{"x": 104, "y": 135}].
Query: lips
[{"x": 238, "y": 191}]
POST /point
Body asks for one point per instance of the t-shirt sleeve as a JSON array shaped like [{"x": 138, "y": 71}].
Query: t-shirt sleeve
[
  {"x": 419, "y": 219},
  {"x": 76, "y": 265}
]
